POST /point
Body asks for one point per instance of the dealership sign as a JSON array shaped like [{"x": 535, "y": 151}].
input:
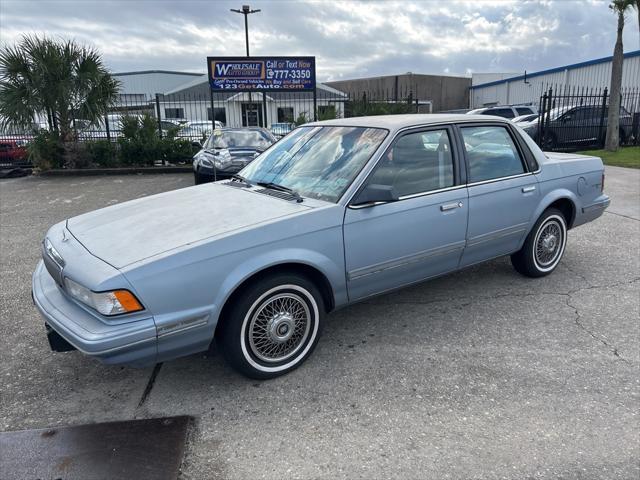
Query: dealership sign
[{"x": 262, "y": 73}]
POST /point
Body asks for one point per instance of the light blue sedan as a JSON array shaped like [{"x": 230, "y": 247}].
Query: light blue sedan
[{"x": 335, "y": 212}]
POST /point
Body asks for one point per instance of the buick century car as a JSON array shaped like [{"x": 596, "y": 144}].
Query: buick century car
[{"x": 335, "y": 212}]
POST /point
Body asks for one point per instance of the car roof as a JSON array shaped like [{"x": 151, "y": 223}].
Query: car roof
[
  {"x": 227, "y": 129},
  {"x": 398, "y": 122}
]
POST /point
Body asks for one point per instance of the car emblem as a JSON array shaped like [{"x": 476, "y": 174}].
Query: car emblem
[{"x": 64, "y": 236}]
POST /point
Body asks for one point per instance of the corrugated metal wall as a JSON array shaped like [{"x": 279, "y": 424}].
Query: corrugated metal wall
[
  {"x": 596, "y": 75},
  {"x": 151, "y": 82}
]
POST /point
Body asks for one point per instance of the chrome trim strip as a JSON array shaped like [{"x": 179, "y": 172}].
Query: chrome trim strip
[
  {"x": 181, "y": 326},
  {"x": 407, "y": 197},
  {"x": 431, "y": 192},
  {"x": 499, "y": 179},
  {"x": 596, "y": 206},
  {"x": 505, "y": 232},
  {"x": 406, "y": 260}
]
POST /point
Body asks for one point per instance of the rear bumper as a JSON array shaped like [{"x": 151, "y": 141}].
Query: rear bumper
[
  {"x": 592, "y": 210},
  {"x": 132, "y": 343}
]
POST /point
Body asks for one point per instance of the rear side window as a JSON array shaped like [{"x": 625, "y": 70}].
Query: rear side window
[
  {"x": 417, "y": 163},
  {"x": 523, "y": 110},
  {"x": 500, "y": 112},
  {"x": 491, "y": 153}
]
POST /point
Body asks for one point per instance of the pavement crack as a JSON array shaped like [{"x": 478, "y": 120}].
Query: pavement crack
[
  {"x": 577, "y": 274},
  {"x": 568, "y": 295},
  {"x": 149, "y": 387},
  {"x": 463, "y": 300},
  {"x": 623, "y": 216},
  {"x": 578, "y": 321}
]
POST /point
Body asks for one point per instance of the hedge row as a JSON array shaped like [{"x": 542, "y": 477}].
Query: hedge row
[{"x": 140, "y": 145}]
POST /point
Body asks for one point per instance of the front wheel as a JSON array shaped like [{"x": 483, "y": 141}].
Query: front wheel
[
  {"x": 543, "y": 247},
  {"x": 272, "y": 326},
  {"x": 549, "y": 141}
]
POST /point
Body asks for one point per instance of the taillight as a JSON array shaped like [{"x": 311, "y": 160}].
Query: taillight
[{"x": 602, "y": 183}]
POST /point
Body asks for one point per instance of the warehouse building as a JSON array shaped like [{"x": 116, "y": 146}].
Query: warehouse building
[
  {"x": 528, "y": 88},
  {"x": 432, "y": 93},
  {"x": 187, "y": 96}
]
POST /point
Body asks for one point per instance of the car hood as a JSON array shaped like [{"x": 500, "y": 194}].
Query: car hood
[{"x": 132, "y": 231}]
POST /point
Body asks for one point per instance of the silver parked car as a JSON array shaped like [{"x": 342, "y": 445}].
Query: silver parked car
[{"x": 335, "y": 212}]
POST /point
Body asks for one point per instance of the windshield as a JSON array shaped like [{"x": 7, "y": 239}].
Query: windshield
[
  {"x": 256, "y": 139},
  {"x": 317, "y": 162}
]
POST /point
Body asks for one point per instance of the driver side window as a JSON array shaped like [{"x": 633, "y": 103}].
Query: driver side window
[{"x": 417, "y": 163}]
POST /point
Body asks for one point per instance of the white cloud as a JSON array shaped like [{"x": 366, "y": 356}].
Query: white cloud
[{"x": 349, "y": 39}]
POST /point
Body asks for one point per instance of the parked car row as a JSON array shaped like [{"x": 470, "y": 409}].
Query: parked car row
[
  {"x": 576, "y": 126},
  {"x": 505, "y": 111},
  {"x": 13, "y": 153}
]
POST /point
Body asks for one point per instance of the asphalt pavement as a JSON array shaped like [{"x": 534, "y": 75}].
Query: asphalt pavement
[{"x": 480, "y": 374}]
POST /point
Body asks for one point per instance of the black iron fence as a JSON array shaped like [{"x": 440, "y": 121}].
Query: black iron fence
[
  {"x": 190, "y": 116},
  {"x": 577, "y": 118}
]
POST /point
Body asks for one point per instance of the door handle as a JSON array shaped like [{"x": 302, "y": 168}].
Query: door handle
[
  {"x": 528, "y": 189},
  {"x": 450, "y": 206}
]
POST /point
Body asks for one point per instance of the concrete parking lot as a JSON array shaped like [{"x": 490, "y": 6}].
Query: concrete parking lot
[{"x": 480, "y": 374}]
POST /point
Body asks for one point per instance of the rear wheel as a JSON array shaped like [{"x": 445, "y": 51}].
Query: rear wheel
[
  {"x": 543, "y": 247},
  {"x": 272, "y": 326},
  {"x": 201, "y": 178}
]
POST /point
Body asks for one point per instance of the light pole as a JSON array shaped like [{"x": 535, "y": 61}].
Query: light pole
[{"x": 246, "y": 11}]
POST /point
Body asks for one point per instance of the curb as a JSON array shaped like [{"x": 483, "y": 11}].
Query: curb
[{"x": 114, "y": 171}]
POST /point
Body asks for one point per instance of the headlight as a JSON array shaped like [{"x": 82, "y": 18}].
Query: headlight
[
  {"x": 115, "y": 302},
  {"x": 222, "y": 158},
  {"x": 53, "y": 253},
  {"x": 217, "y": 158}
]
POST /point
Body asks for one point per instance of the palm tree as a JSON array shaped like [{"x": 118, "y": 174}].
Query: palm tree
[
  {"x": 619, "y": 7},
  {"x": 58, "y": 80}
]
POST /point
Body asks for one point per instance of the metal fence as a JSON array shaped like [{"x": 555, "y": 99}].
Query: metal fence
[
  {"x": 570, "y": 118},
  {"x": 192, "y": 114},
  {"x": 576, "y": 118}
]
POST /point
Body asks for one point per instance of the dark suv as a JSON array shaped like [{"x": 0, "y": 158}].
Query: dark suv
[{"x": 577, "y": 126}]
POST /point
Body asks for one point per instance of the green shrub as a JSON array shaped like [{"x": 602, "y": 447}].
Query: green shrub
[
  {"x": 361, "y": 108},
  {"x": 140, "y": 143},
  {"x": 327, "y": 112},
  {"x": 302, "y": 119},
  {"x": 101, "y": 153},
  {"x": 176, "y": 150},
  {"x": 46, "y": 150}
]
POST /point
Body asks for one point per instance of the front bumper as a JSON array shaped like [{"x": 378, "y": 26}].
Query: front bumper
[
  {"x": 132, "y": 343},
  {"x": 227, "y": 171}
]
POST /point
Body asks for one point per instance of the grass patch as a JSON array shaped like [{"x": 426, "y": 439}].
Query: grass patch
[{"x": 625, "y": 157}]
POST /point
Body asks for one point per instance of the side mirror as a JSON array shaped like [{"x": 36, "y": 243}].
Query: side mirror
[
  {"x": 196, "y": 144},
  {"x": 374, "y": 193},
  {"x": 566, "y": 118}
]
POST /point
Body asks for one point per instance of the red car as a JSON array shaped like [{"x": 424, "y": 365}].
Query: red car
[{"x": 13, "y": 153}]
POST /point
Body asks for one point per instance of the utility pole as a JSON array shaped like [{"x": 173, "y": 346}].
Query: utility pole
[{"x": 246, "y": 11}]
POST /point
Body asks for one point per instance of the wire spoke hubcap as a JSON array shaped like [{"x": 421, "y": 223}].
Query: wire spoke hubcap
[
  {"x": 279, "y": 327},
  {"x": 549, "y": 243}
]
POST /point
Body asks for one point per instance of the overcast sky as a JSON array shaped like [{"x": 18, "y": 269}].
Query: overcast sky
[{"x": 349, "y": 39}]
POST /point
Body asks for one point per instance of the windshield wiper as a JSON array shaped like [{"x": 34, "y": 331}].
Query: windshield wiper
[
  {"x": 281, "y": 188},
  {"x": 240, "y": 179}
]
